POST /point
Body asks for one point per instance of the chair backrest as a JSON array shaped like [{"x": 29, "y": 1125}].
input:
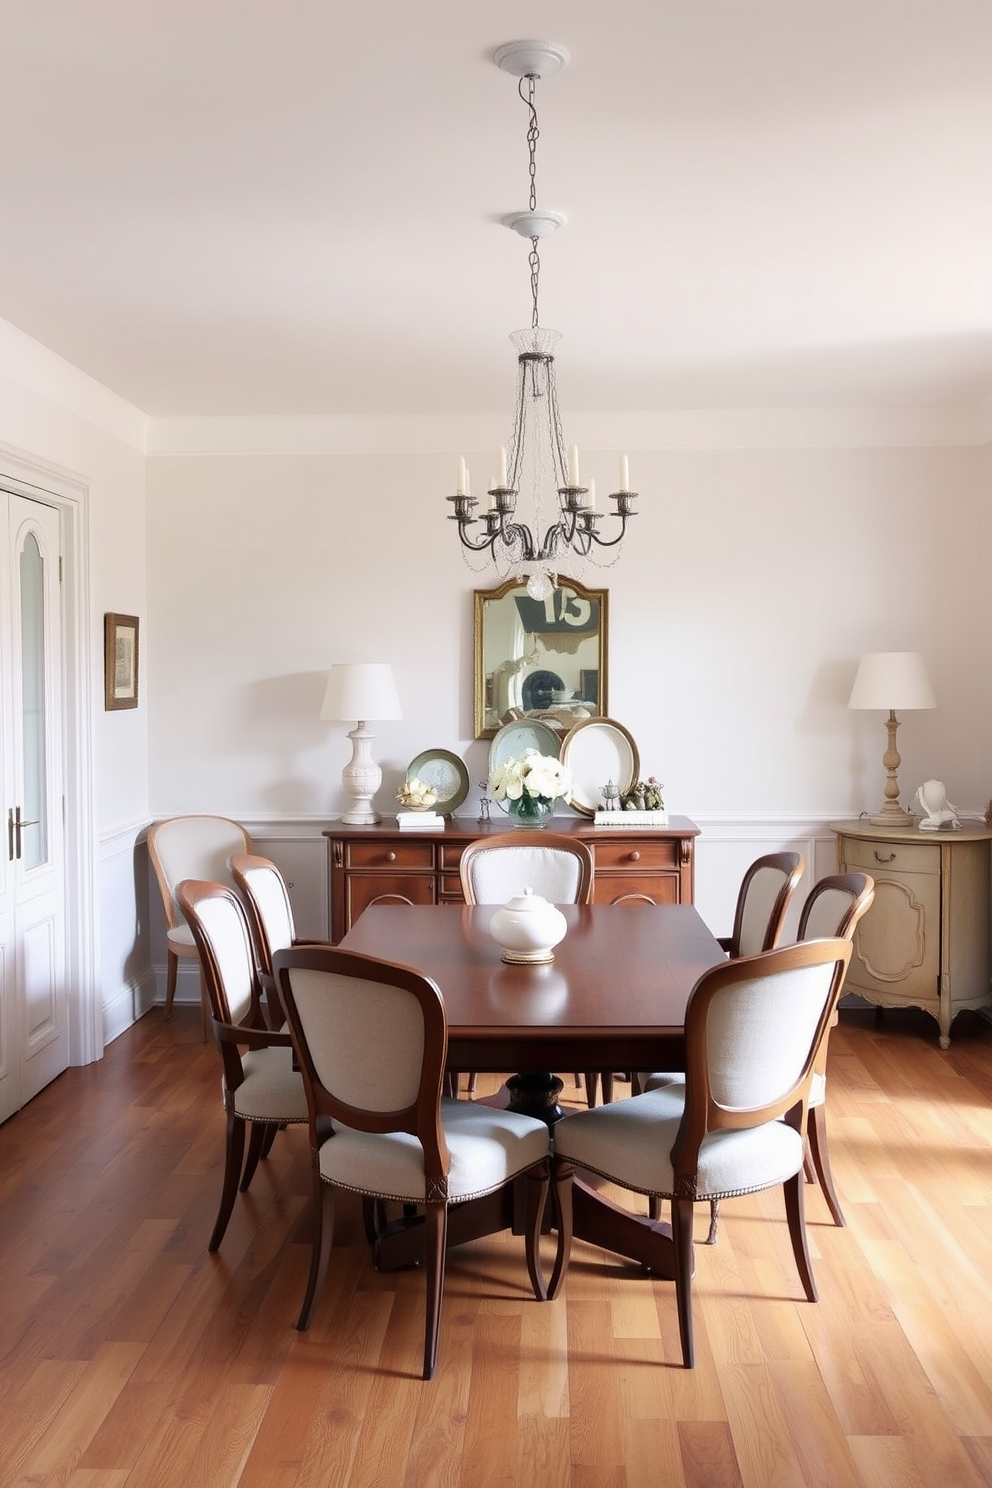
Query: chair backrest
[
  {"x": 193, "y": 847},
  {"x": 494, "y": 869},
  {"x": 835, "y": 904},
  {"x": 764, "y": 896},
  {"x": 217, "y": 919},
  {"x": 371, "y": 1039},
  {"x": 266, "y": 900},
  {"x": 753, "y": 1029}
]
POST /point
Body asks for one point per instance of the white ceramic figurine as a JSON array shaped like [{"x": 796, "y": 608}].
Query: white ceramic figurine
[{"x": 938, "y": 813}]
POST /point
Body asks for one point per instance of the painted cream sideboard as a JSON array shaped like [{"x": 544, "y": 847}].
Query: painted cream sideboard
[
  {"x": 387, "y": 864},
  {"x": 925, "y": 940}
]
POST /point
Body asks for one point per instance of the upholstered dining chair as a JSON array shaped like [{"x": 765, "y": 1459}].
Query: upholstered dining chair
[
  {"x": 559, "y": 868},
  {"x": 261, "y": 1088},
  {"x": 762, "y": 903},
  {"x": 753, "y": 1031},
  {"x": 833, "y": 907},
  {"x": 371, "y": 1040},
  {"x": 265, "y": 895},
  {"x": 190, "y": 847}
]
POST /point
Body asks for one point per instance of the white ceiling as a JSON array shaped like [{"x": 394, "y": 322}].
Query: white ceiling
[{"x": 291, "y": 207}]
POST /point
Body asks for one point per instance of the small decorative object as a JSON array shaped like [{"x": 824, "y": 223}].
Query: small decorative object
[
  {"x": 484, "y": 804},
  {"x": 611, "y": 796},
  {"x": 645, "y": 795},
  {"x": 938, "y": 813},
  {"x": 417, "y": 795},
  {"x": 528, "y": 928},
  {"x": 120, "y": 662},
  {"x": 529, "y": 787}
]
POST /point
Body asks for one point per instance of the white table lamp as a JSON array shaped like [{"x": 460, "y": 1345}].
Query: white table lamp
[
  {"x": 362, "y": 690},
  {"x": 888, "y": 680}
]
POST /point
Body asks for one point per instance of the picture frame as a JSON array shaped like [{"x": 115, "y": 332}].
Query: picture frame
[{"x": 120, "y": 662}]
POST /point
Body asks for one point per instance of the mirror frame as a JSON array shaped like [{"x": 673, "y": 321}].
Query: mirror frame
[{"x": 485, "y": 597}]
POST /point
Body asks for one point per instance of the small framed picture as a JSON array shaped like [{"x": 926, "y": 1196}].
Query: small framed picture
[{"x": 120, "y": 661}]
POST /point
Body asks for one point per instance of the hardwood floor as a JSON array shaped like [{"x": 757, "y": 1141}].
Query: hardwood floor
[{"x": 128, "y": 1355}]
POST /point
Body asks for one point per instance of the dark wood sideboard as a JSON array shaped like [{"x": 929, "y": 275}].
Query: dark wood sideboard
[{"x": 389, "y": 864}]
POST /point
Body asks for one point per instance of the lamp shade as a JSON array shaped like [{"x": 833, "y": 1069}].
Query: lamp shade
[
  {"x": 361, "y": 690},
  {"x": 892, "y": 680}
]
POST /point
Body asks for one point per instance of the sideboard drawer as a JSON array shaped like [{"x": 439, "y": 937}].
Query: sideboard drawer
[
  {"x": 890, "y": 857},
  {"x": 451, "y": 856},
  {"x": 395, "y": 855},
  {"x": 644, "y": 856}
]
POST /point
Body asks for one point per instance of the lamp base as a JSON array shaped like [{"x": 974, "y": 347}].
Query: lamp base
[
  {"x": 892, "y": 815},
  {"x": 361, "y": 778}
]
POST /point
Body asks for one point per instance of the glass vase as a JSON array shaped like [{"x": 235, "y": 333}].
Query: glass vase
[{"x": 529, "y": 811}]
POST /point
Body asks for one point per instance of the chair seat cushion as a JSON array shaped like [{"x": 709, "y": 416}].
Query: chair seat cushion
[
  {"x": 630, "y": 1142},
  {"x": 487, "y": 1147},
  {"x": 272, "y": 1089},
  {"x": 180, "y": 939},
  {"x": 660, "y": 1078}
]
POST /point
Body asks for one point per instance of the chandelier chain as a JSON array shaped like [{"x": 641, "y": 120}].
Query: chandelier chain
[{"x": 533, "y": 135}]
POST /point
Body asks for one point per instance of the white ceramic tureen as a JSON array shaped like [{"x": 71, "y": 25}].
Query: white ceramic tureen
[{"x": 528, "y": 928}]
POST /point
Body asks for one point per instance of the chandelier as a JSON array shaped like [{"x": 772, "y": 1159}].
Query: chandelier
[{"x": 564, "y": 526}]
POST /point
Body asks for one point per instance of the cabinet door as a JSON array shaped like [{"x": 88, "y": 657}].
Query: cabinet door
[
  {"x": 897, "y": 947},
  {"x": 363, "y": 889},
  {"x": 654, "y": 888}
]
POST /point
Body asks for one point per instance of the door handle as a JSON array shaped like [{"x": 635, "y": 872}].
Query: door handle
[
  {"x": 10, "y": 833},
  {"x": 18, "y": 824}
]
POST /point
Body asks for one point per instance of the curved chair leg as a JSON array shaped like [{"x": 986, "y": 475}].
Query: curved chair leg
[
  {"x": 271, "y": 1128},
  {"x": 320, "y": 1255},
  {"x": 537, "y": 1181},
  {"x": 436, "y": 1240},
  {"x": 256, "y": 1141},
  {"x": 714, "y": 1221},
  {"x": 562, "y": 1173},
  {"x": 816, "y": 1132},
  {"x": 171, "y": 975},
  {"x": 682, "y": 1237},
  {"x": 654, "y": 1206},
  {"x": 234, "y": 1156},
  {"x": 591, "y": 1080},
  {"x": 794, "y": 1209}
]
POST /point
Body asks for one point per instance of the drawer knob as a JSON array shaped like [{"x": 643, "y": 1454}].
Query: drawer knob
[
  {"x": 635, "y": 857},
  {"x": 390, "y": 857},
  {"x": 889, "y": 859}
]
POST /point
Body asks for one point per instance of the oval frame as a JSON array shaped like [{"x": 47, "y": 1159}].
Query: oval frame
[{"x": 590, "y": 747}]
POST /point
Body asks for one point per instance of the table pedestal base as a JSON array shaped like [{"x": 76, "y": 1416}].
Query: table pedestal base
[{"x": 595, "y": 1218}]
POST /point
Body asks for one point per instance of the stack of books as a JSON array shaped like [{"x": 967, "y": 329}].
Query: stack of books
[
  {"x": 418, "y": 819},
  {"x": 631, "y": 819}
]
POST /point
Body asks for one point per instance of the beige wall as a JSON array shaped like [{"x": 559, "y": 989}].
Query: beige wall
[{"x": 751, "y": 584}]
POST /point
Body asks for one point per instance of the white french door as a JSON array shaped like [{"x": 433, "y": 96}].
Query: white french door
[{"x": 34, "y": 1034}]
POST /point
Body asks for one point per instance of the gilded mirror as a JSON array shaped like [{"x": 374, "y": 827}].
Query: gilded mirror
[{"x": 540, "y": 658}]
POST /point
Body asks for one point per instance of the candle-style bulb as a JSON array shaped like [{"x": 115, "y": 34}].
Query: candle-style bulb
[
  {"x": 573, "y": 465},
  {"x": 624, "y": 474},
  {"x": 502, "y": 465},
  {"x": 460, "y": 488}
]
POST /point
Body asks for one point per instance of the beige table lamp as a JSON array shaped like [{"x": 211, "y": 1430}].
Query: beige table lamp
[{"x": 888, "y": 680}]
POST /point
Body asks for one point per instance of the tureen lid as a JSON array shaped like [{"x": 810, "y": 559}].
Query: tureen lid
[{"x": 527, "y": 902}]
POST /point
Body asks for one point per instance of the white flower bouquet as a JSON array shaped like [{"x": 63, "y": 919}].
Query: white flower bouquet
[{"x": 531, "y": 785}]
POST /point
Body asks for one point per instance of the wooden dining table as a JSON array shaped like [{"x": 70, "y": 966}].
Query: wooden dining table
[{"x": 613, "y": 998}]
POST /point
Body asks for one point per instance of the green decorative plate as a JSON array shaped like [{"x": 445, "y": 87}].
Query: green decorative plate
[{"x": 446, "y": 773}]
